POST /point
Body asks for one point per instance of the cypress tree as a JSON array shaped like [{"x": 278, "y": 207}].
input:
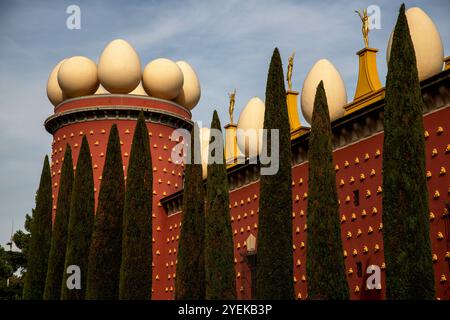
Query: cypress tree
[
  {"x": 274, "y": 269},
  {"x": 325, "y": 267},
  {"x": 219, "y": 256},
  {"x": 105, "y": 254},
  {"x": 190, "y": 281},
  {"x": 406, "y": 234},
  {"x": 136, "y": 267},
  {"x": 59, "y": 235},
  {"x": 41, "y": 231},
  {"x": 81, "y": 220}
]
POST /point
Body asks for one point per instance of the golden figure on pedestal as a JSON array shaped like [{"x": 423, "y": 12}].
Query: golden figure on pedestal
[
  {"x": 365, "y": 26},
  {"x": 232, "y": 96},
  {"x": 289, "y": 70}
]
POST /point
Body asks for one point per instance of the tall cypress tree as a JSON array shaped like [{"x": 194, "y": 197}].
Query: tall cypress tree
[
  {"x": 81, "y": 221},
  {"x": 105, "y": 254},
  {"x": 60, "y": 226},
  {"x": 274, "y": 270},
  {"x": 190, "y": 281},
  {"x": 325, "y": 267},
  {"x": 41, "y": 231},
  {"x": 136, "y": 267},
  {"x": 406, "y": 234},
  {"x": 219, "y": 261}
]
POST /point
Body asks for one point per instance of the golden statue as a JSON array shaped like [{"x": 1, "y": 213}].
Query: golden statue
[
  {"x": 365, "y": 26},
  {"x": 232, "y": 96},
  {"x": 289, "y": 70}
]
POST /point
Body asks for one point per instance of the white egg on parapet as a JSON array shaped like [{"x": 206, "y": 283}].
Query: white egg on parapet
[
  {"x": 190, "y": 92},
  {"x": 427, "y": 43},
  {"x": 249, "y": 132},
  {"x": 324, "y": 70},
  {"x": 162, "y": 78},
  {"x": 119, "y": 67},
  {"x": 54, "y": 92},
  {"x": 77, "y": 76}
]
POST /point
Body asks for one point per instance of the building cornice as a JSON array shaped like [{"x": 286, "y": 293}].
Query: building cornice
[
  {"x": 115, "y": 112},
  {"x": 120, "y": 97}
]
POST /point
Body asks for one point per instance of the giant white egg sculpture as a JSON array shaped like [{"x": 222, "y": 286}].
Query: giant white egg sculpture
[
  {"x": 427, "y": 43},
  {"x": 190, "y": 93},
  {"x": 119, "y": 67},
  {"x": 249, "y": 134},
  {"x": 54, "y": 92},
  {"x": 324, "y": 70},
  {"x": 162, "y": 78},
  {"x": 77, "y": 76}
]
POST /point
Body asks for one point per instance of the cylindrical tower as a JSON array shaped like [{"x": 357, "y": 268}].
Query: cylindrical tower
[{"x": 93, "y": 116}]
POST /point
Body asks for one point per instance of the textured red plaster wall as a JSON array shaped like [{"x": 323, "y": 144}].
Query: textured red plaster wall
[
  {"x": 363, "y": 221},
  {"x": 244, "y": 203},
  {"x": 167, "y": 179}
]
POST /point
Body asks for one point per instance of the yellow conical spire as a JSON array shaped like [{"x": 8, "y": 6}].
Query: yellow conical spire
[
  {"x": 294, "y": 121},
  {"x": 291, "y": 99},
  {"x": 369, "y": 87},
  {"x": 231, "y": 150},
  {"x": 368, "y": 79}
]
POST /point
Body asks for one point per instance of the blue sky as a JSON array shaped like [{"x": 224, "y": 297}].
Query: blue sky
[{"x": 229, "y": 44}]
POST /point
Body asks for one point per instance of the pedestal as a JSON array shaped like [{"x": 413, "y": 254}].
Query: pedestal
[
  {"x": 231, "y": 150},
  {"x": 368, "y": 79},
  {"x": 291, "y": 99}
]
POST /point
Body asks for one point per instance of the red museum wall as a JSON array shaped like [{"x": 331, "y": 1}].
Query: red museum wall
[
  {"x": 167, "y": 179},
  {"x": 367, "y": 214},
  {"x": 244, "y": 201}
]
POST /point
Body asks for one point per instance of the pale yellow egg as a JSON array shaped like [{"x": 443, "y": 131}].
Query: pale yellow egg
[
  {"x": 54, "y": 92},
  {"x": 162, "y": 78},
  {"x": 324, "y": 70},
  {"x": 77, "y": 76},
  {"x": 249, "y": 132},
  {"x": 427, "y": 43},
  {"x": 119, "y": 67},
  {"x": 190, "y": 93}
]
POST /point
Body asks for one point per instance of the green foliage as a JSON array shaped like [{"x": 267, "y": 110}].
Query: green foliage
[
  {"x": 406, "y": 234},
  {"x": 325, "y": 268},
  {"x": 274, "y": 269},
  {"x": 59, "y": 236},
  {"x": 105, "y": 254},
  {"x": 190, "y": 281},
  {"x": 10, "y": 263},
  {"x": 41, "y": 231},
  {"x": 136, "y": 267},
  {"x": 81, "y": 220},
  {"x": 219, "y": 259},
  {"x": 13, "y": 264},
  {"x": 11, "y": 286},
  {"x": 22, "y": 239}
]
